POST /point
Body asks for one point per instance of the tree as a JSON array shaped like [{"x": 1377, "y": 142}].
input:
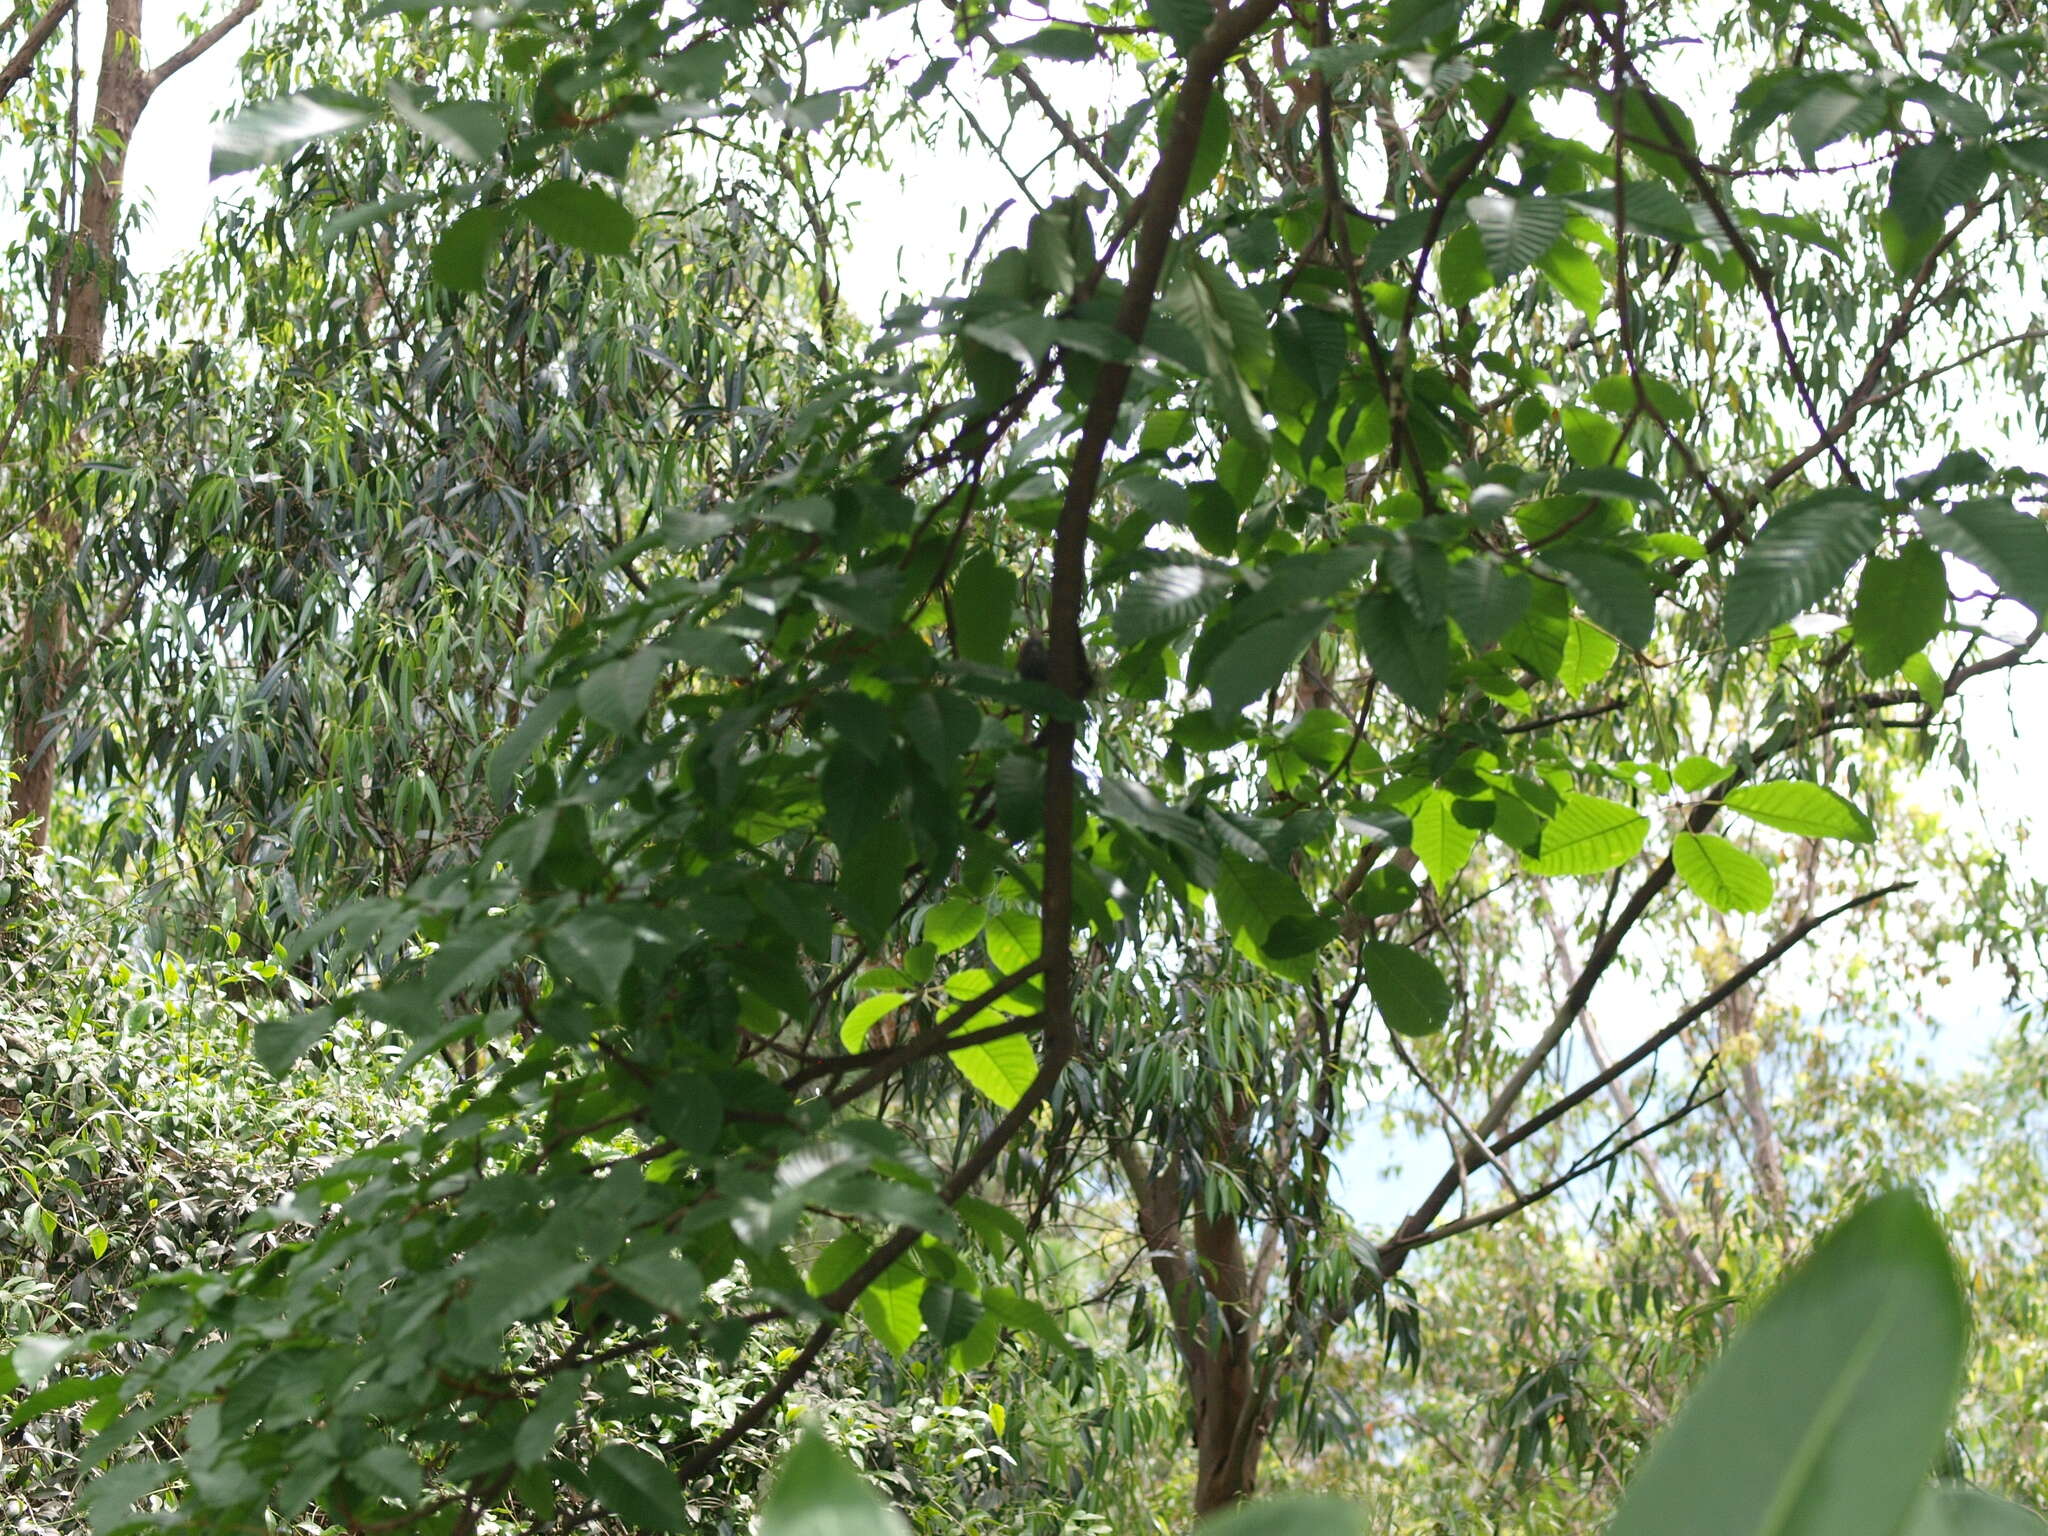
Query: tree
[{"x": 796, "y": 934}]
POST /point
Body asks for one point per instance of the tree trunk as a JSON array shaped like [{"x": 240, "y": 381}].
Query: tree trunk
[
  {"x": 45, "y": 663},
  {"x": 1210, "y": 1293}
]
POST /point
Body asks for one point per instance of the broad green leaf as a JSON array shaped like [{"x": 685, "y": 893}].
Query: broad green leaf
[
  {"x": 1408, "y": 989},
  {"x": 1057, "y": 42},
  {"x": 665, "y": 1280},
  {"x": 1288, "y": 1517},
  {"x": 578, "y": 214},
  {"x": 283, "y": 1039},
  {"x": 954, "y": 924},
  {"x": 1721, "y": 874},
  {"x": 866, "y": 1014},
  {"x": 816, "y": 1492},
  {"x": 1589, "y": 437},
  {"x": 2001, "y": 541},
  {"x": 1001, "y": 1069},
  {"x": 1932, "y": 178},
  {"x": 1184, "y": 21},
  {"x": 1695, "y": 773},
  {"x": 462, "y": 254},
  {"x": 1575, "y": 277},
  {"x": 889, "y": 1306},
  {"x": 274, "y": 130},
  {"x": 471, "y": 131},
  {"x": 1013, "y": 939},
  {"x": 617, "y": 694},
  {"x": 1589, "y": 654},
  {"x": 1808, "y": 810},
  {"x": 1958, "y": 1511},
  {"x": 950, "y": 1314},
  {"x": 638, "y": 1488},
  {"x": 1168, "y": 598},
  {"x": 836, "y": 1263},
  {"x": 1800, "y": 557},
  {"x": 1900, "y": 604},
  {"x": 1613, "y": 589},
  {"x": 1588, "y": 836},
  {"x": 1250, "y": 899},
  {"x": 1515, "y": 231},
  {"x": 1440, "y": 840},
  {"x": 1411, "y": 659},
  {"x": 984, "y": 608},
  {"x": 1825, "y": 1414},
  {"x": 1487, "y": 599},
  {"x": 592, "y": 950}
]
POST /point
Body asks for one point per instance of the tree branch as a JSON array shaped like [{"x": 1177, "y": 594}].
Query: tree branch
[
  {"x": 17, "y": 68},
  {"x": 202, "y": 44}
]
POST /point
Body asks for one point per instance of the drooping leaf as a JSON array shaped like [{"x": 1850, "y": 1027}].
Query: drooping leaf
[
  {"x": 1824, "y": 1416},
  {"x": 1002, "y": 1069},
  {"x": 274, "y": 130},
  {"x": 1958, "y": 1511},
  {"x": 1613, "y": 589},
  {"x": 1288, "y": 1517},
  {"x": 1800, "y": 557},
  {"x": 1408, "y": 989},
  {"x": 1254, "y": 663},
  {"x": 890, "y": 1306},
  {"x": 1589, "y": 655},
  {"x": 1168, "y": 598},
  {"x": 1440, "y": 840},
  {"x": 1900, "y": 604},
  {"x": 1487, "y": 599},
  {"x": 1412, "y": 659},
  {"x": 1516, "y": 231},
  {"x": 865, "y": 1015}
]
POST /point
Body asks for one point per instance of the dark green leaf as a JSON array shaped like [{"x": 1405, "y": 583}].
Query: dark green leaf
[
  {"x": 1168, "y": 598},
  {"x": 1410, "y": 992},
  {"x": 1255, "y": 662},
  {"x": 638, "y": 1488},
  {"x": 463, "y": 253},
  {"x": 1515, "y": 231},
  {"x": 1414, "y": 660},
  {"x": 580, "y": 215},
  {"x": 1487, "y": 599},
  {"x": 1613, "y": 589},
  {"x": 1801, "y": 556},
  {"x": 1900, "y": 605}
]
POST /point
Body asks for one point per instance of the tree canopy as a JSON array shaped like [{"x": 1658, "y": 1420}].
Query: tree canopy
[{"x": 1416, "y": 526}]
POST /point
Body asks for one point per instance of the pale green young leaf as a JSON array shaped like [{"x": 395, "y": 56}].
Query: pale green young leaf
[{"x": 1808, "y": 810}]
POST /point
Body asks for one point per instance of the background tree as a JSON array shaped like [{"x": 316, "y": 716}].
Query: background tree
[{"x": 1368, "y": 390}]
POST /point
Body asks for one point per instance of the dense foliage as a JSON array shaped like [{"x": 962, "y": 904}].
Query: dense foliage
[{"x": 780, "y": 859}]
